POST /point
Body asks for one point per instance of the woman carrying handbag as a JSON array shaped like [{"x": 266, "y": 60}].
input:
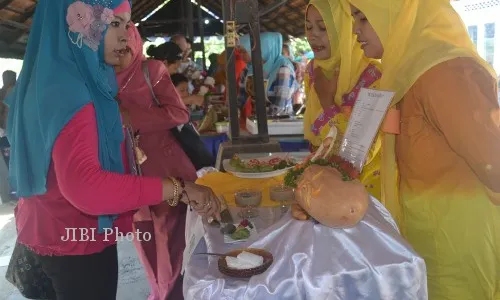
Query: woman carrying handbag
[
  {"x": 154, "y": 123},
  {"x": 68, "y": 160}
]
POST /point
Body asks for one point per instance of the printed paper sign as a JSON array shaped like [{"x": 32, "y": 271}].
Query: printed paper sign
[{"x": 366, "y": 118}]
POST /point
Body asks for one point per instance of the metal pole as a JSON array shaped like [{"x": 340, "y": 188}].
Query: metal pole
[
  {"x": 183, "y": 14},
  {"x": 258, "y": 72},
  {"x": 231, "y": 88},
  {"x": 190, "y": 25},
  {"x": 201, "y": 30}
]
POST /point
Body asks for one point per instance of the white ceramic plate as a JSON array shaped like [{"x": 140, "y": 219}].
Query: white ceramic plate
[{"x": 228, "y": 168}]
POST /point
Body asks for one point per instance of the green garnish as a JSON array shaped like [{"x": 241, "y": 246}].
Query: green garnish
[
  {"x": 240, "y": 234},
  {"x": 293, "y": 175},
  {"x": 256, "y": 166}
]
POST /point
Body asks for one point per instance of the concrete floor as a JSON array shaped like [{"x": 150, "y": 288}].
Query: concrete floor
[{"x": 132, "y": 284}]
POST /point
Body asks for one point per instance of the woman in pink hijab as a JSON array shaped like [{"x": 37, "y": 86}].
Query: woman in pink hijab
[{"x": 162, "y": 255}]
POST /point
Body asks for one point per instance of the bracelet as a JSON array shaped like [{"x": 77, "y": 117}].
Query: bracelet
[
  {"x": 183, "y": 187},
  {"x": 175, "y": 199}
]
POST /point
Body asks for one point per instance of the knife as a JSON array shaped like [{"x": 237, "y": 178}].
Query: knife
[{"x": 225, "y": 215}]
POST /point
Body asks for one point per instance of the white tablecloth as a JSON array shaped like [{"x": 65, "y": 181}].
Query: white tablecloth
[{"x": 371, "y": 261}]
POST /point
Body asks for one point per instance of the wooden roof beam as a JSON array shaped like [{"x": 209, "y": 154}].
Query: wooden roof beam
[
  {"x": 14, "y": 24},
  {"x": 14, "y": 10},
  {"x": 28, "y": 13},
  {"x": 4, "y": 3}
]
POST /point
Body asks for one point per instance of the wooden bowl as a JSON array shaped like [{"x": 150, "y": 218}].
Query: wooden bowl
[{"x": 268, "y": 261}]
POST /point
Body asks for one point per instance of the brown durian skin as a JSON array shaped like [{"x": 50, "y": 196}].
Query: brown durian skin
[
  {"x": 298, "y": 212},
  {"x": 335, "y": 203}
]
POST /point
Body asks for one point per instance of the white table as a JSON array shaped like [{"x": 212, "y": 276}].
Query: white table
[{"x": 369, "y": 262}]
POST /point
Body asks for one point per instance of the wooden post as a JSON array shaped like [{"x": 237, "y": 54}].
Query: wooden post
[
  {"x": 201, "y": 29},
  {"x": 231, "y": 84},
  {"x": 258, "y": 71},
  {"x": 190, "y": 24}
]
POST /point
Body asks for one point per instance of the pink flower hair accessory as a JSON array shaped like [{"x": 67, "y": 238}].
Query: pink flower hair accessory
[
  {"x": 79, "y": 17},
  {"x": 88, "y": 22}
]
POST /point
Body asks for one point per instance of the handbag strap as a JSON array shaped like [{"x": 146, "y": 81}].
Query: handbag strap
[
  {"x": 145, "y": 71},
  {"x": 147, "y": 78}
]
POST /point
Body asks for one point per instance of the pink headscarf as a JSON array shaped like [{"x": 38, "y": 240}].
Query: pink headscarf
[
  {"x": 135, "y": 44},
  {"x": 135, "y": 94},
  {"x": 122, "y": 8}
]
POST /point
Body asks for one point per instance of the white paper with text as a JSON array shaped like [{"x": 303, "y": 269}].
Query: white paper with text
[{"x": 364, "y": 122}]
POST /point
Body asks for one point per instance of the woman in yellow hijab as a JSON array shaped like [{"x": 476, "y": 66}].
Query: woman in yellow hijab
[
  {"x": 334, "y": 78},
  {"x": 446, "y": 149}
]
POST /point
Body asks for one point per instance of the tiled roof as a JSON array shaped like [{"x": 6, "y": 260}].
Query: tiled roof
[{"x": 15, "y": 19}]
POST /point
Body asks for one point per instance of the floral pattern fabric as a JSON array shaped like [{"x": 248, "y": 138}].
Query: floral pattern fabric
[{"x": 88, "y": 22}]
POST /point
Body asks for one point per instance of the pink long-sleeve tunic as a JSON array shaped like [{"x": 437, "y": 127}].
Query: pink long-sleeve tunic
[{"x": 78, "y": 191}]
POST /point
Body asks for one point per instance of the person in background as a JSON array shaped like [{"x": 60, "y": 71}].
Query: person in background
[
  {"x": 182, "y": 42},
  {"x": 162, "y": 258},
  {"x": 169, "y": 53},
  {"x": 213, "y": 64},
  {"x": 76, "y": 183},
  {"x": 9, "y": 80},
  {"x": 443, "y": 145},
  {"x": 241, "y": 59},
  {"x": 288, "y": 52},
  {"x": 298, "y": 96},
  {"x": 187, "y": 67},
  {"x": 181, "y": 84},
  {"x": 278, "y": 70}
]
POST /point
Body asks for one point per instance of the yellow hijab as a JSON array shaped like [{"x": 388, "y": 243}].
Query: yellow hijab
[
  {"x": 417, "y": 35},
  {"x": 338, "y": 22}
]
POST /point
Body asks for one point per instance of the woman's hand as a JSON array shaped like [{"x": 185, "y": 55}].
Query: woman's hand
[
  {"x": 325, "y": 88},
  {"x": 194, "y": 99},
  {"x": 202, "y": 199}
]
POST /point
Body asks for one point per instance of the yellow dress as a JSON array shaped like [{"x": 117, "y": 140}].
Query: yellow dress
[
  {"x": 370, "y": 175},
  {"x": 348, "y": 60},
  {"x": 446, "y": 196}
]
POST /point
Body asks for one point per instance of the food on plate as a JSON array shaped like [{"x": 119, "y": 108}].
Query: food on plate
[
  {"x": 346, "y": 170},
  {"x": 324, "y": 156},
  {"x": 324, "y": 194},
  {"x": 299, "y": 213},
  {"x": 244, "y": 260},
  {"x": 228, "y": 229},
  {"x": 241, "y": 233},
  {"x": 262, "y": 165}
]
